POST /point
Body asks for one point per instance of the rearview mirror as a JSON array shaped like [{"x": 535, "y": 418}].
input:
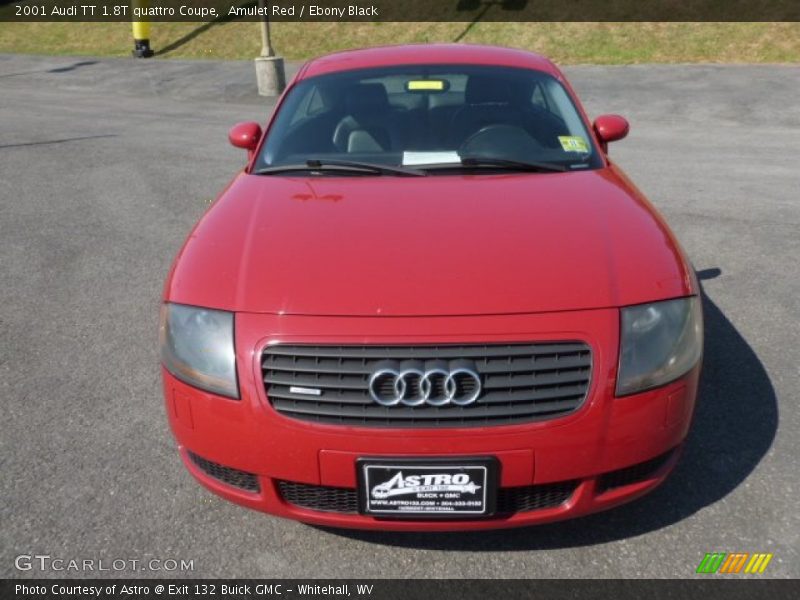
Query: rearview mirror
[
  {"x": 245, "y": 135},
  {"x": 610, "y": 128}
]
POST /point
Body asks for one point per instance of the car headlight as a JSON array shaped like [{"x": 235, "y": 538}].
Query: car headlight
[
  {"x": 659, "y": 342},
  {"x": 197, "y": 347}
]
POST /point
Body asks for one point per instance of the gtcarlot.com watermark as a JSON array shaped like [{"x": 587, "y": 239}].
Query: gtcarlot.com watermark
[{"x": 46, "y": 562}]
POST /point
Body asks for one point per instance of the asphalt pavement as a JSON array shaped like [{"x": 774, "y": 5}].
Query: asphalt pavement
[{"x": 106, "y": 164}]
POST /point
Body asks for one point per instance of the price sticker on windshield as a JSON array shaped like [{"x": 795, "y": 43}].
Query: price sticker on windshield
[{"x": 573, "y": 143}]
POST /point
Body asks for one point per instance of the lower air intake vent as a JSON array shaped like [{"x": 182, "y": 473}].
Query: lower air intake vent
[
  {"x": 345, "y": 500},
  {"x": 319, "y": 497},
  {"x": 232, "y": 477},
  {"x": 534, "y": 497},
  {"x": 633, "y": 474}
]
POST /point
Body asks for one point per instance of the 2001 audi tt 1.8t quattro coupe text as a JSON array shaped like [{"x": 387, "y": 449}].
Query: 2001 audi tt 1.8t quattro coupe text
[{"x": 430, "y": 301}]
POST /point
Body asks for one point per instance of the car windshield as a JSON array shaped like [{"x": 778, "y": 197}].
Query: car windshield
[{"x": 429, "y": 118}]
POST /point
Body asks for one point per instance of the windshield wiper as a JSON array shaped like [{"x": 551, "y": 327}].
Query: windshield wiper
[
  {"x": 342, "y": 165},
  {"x": 472, "y": 162},
  {"x": 488, "y": 161}
]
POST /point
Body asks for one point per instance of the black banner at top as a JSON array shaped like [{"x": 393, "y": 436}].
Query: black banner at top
[{"x": 399, "y": 10}]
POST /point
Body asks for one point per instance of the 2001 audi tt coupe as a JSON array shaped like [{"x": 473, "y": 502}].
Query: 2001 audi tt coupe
[{"x": 430, "y": 301}]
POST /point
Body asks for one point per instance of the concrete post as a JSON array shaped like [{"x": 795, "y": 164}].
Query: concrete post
[{"x": 270, "y": 72}]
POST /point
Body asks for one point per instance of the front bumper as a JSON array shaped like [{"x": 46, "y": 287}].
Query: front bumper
[{"x": 587, "y": 448}]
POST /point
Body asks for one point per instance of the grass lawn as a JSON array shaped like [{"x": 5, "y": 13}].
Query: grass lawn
[{"x": 566, "y": 43}]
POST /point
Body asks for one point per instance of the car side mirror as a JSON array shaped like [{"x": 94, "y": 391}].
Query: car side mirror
[
  {"x": 245, "y": 135},
  {"x": 610, "y": 128}
]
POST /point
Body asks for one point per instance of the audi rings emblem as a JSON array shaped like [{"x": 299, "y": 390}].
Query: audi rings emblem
[{"x": 432, "y": 384}]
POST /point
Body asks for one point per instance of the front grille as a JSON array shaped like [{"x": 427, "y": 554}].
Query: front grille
[
  {"x": 519, "y": 382},
  {"x": 633, "y": 474},
  {"x": 345, "y": 500},
  {"x": 228, "y": 475}
]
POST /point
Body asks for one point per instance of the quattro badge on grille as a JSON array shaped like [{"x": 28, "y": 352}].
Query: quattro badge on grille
[
  {"x": 296, "y": 389},
  {"x": 435, "y": 383}
]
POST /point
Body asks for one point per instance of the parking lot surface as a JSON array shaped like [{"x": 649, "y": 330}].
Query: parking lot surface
[{"x": 106, "y": 164}]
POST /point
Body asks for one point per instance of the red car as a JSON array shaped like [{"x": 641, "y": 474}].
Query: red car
[{"x": 430, "y": 302}]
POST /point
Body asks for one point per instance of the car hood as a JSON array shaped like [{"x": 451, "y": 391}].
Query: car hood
[{"x": 438, "y": 245}]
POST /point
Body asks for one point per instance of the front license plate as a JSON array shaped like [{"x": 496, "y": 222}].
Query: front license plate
[{"x": 433, "y": 488}]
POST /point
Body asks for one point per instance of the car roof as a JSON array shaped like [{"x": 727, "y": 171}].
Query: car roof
[{"x": 425, "y": 54}]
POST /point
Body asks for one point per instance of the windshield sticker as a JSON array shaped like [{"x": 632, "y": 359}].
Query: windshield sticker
[
  {"x": 427, "y": 85},
  {"x": 431, "y": 158},
  {"x": 573, "y": 143}
]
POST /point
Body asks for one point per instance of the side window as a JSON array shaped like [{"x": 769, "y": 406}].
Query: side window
[
  {"x": 555, "y": 97},
  {"x": 538, "y": 98},
  {"x": 316, "y": 104},
  {"x": 311, "y": 104}
]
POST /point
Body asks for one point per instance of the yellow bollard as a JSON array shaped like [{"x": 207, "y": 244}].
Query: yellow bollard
[{"x": 141, "y": 32}]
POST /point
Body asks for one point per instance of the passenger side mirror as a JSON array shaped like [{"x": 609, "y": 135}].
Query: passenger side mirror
[
  {"x": 245, "y": 135},
  {"x": 610, "y": 128}
]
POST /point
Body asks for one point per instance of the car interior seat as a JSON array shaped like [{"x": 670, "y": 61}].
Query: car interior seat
[{"x": 370, "y": 124}]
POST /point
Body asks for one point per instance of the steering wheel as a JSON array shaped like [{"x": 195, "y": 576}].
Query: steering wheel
[{"x": 500, "y": 140}]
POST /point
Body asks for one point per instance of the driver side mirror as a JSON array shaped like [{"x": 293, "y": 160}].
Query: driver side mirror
[
  {"x": 610, "y": 128},
  {"x": 246, "y": 136}
]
